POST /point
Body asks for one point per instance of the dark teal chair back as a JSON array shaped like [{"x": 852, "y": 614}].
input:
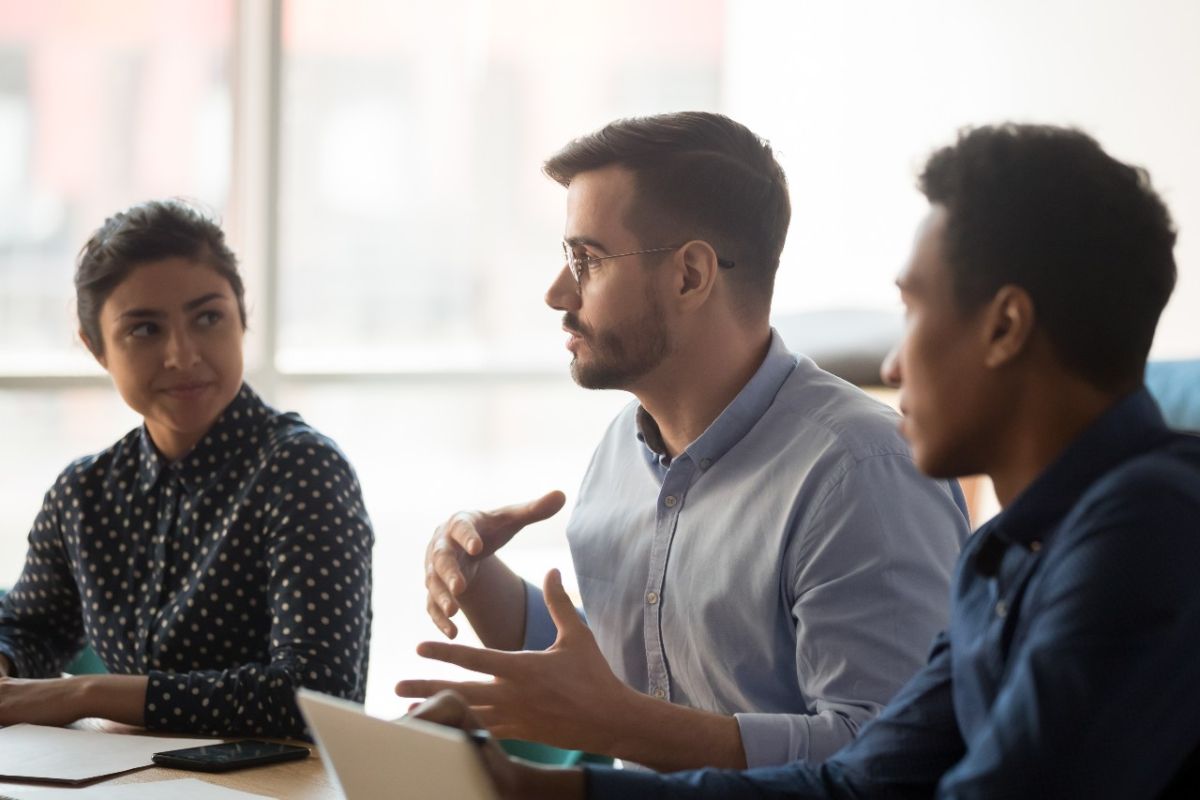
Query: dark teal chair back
[{"x": 550, "y": 756}]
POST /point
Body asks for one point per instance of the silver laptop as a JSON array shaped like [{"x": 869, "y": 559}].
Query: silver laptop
[{"x": 377, "y": 760}]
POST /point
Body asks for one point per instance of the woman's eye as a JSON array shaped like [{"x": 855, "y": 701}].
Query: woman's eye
[
  {"x": 209, "y": 318},
  {"x": 144, "y": 329}
]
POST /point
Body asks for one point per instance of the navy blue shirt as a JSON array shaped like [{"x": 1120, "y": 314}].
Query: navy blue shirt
[
  {"x": 1071, "y": 667},
  {"x": 230, "y": 577}
]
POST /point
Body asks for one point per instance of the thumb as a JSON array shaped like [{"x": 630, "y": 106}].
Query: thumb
[{"x": 562, "y": 610}]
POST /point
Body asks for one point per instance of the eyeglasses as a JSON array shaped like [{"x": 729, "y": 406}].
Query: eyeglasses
[{"x": 579, "y": 261}]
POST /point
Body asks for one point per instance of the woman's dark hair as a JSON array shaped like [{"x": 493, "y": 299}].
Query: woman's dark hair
[
  {"x": 699, "y": 175},
  {"x": 150, "y": 231},
  {"x": 1046, "y": 209}
]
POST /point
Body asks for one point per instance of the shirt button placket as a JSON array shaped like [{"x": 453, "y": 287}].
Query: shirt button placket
[{"x": 670, "y": 505}]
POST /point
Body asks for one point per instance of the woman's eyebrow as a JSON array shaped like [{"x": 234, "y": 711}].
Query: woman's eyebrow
[{"x": 199, "y": 301}]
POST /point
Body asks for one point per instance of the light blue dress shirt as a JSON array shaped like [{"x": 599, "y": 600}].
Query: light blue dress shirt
[{"x": 791, "y": 567}]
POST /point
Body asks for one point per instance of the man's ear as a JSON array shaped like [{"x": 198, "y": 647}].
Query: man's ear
[
  {"x": 1009, "y": 323},
  {"x": 697, "y": 266},
  {"x": 98, "y": 355}
]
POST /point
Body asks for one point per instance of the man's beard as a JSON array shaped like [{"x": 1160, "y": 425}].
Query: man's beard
[{"x": 618, "y": 358}]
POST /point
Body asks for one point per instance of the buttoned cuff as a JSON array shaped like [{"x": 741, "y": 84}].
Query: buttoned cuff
[
  {"x": 165, "y": 692},
  {"x": 540, "y": 631},
  {"x": 771, "y": 739}
]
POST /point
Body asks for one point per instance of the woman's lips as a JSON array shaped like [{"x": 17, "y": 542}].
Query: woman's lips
[{"x": 186, "y": 390}]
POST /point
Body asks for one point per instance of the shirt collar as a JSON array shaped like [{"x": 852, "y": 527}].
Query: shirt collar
[
  {"x": 1133, "y": 425},
  {"x": 219, "y": 445},
  {"x": 738, "y": 417}
]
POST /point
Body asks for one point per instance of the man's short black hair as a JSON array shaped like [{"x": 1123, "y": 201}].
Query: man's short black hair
[
  {"x": 698, "y": 175},
  {"x": 1046, "y": 209}
]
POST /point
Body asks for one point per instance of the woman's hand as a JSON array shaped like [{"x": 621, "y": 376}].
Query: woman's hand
[
  {"x": 61, "y": 701},
  {"x": 55, "y": 701}
]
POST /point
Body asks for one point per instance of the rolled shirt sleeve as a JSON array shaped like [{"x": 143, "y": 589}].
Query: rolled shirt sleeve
[{"x": 540, "y": 631}]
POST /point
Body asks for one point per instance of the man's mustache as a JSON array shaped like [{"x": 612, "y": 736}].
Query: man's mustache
[{"x": 572, "y": 324}]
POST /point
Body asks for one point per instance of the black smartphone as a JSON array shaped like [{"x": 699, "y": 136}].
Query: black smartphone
[{"x": 230, "y": 756}]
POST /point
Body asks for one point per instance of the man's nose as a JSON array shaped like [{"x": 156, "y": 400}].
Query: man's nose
[
  {"x": 889, "y": 370},
  {"x": 563, "y": 294}
]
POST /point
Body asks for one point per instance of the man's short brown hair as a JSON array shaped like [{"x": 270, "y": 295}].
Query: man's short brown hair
[{"x": 698, "y": 175}]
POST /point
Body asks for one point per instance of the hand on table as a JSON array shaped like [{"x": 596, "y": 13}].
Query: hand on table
[
  {"x": 464, "y": 541},
  {"x": 61, "y": 701},
  {"x": 54, "y": 701},
  {"x": 566, "y": 696}
]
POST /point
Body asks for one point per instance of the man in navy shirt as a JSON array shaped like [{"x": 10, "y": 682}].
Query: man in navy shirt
[{"x": 1070, "y": 667}]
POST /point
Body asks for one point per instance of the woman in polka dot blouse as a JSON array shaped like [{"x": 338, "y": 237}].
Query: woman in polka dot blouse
[{"x": 216, "y": 558}]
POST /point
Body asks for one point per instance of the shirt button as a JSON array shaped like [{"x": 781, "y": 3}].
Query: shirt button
[
  {"x": 670, "y": 501},
  {"x": 1001, "y": 609},
  {"x": 705, "y": 463},
  {"x": 652, "y": 597},
  {"x": 1035, "y": 547},
  {"x": 660, "y": 694}
]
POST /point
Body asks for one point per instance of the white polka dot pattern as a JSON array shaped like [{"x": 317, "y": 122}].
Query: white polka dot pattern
[{"x": 230, "y": 577}]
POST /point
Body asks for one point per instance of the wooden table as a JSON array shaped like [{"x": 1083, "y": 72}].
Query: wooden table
[{"x": 291, "y": 780}]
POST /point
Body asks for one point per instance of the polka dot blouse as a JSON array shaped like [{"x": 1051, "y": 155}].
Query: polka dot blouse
[{"x": 230, "y": 577}]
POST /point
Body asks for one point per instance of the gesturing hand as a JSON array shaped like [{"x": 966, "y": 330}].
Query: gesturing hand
[
  {"x": 566, "y": 696},
  {"x": 462, "y": 542}
]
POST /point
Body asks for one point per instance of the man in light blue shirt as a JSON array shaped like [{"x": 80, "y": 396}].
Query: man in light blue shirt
[{"x": 753, "y": 543}]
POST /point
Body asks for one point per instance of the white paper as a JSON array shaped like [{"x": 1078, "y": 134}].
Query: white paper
[
  {"x": 37, "y": 752},
  {"x": 185, "y": 789}
]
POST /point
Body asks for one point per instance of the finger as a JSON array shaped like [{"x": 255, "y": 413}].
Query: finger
[
  {"x": 446, "y": 709},
  {"x": 507, "y": 521},
  {"x": 476, "y": 659},
  {"x": 487, "y": 716},
  {"x": 537, "y": 510},
  {"x": 440, "y": 619},
  {"x": 501, "y": 730},
  {"x": 444, "y": 563},
  {"x": 460, "y": 530},
  {"x": 562, "y": 610},
  {"x": 474, "y": 693},
  {"x": 441, "y": 595}
]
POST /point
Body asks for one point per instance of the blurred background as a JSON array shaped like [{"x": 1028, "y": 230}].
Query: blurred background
[{"x": 376, "y": 164}]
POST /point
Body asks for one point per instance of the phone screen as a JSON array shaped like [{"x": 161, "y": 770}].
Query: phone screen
[{"x": 231, "y": 755}]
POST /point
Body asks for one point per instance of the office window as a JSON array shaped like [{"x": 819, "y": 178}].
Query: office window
[
  {"x": 398, "y": 304},
  {"x": 101, "y": 105},
  {"x": 417, "y": 231}
]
